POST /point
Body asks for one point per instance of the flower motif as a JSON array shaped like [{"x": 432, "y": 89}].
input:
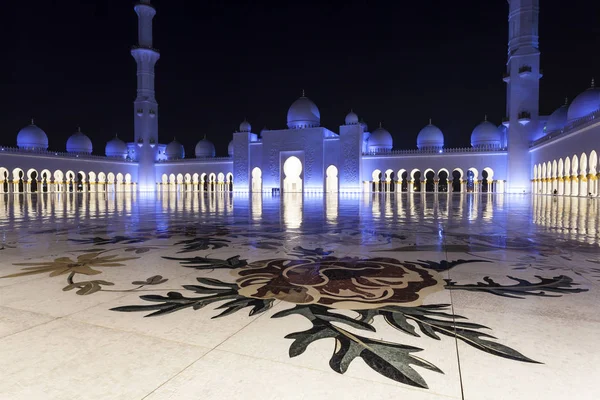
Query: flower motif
[
  {"x": 64, "y": 265},
  {"x": 347, "y": 283}
]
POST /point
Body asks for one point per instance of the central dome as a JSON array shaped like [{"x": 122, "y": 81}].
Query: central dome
[
  {"x": 32, "y": 138},
  {"x": 303, "y": 113},
  {"x": 79, "y": 143},
  {"x": 430, "y": 137}
]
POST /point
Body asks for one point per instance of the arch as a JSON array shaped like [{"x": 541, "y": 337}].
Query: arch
[
  {"x": 593, "y": 162},
  {"x": 172, "y": 179},
  {"x": 429, "y": 180},
  {"x": 535, "y": 171},
  {"x": 212, "y": 178},
  {"x": 221, "y": 177},
  {"x": 376, "y": 175},
  {"x": 575, "y": 165},
  {"x": 544, "y": 171},
  {"x": 187, "y": 178},
  {"x": 229, "y": 182},
  {"x": 195, "y": 177},
  {"x": 443, "y": 176},
  {"x": 120, "y": 177},
  {"x": 561, "y": 167},
  {"x": 457, "y": 177},
  {"x": 415, "y": 175},
  {"x": 256, "y": 180},
  {"x": 554, "y": 169},
  {"x": 164, "y": 179},
  {"x": 475, "y": 172},
  {"x": 292, "y": 170},
  {"x": 19, "y": 178},
  {"x": 179, "y": 178},
  {"x": 583, "y": 164},
  {"x": 45, "y": 180},
  {"x": 32, "y": 180},
  {"x": 332, "y": 179},
  {"x": 402, "y": 177},
  {"x": 128, "y": 178}
]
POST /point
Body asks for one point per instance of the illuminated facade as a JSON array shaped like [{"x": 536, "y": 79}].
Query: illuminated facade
[{"x": 527, "y": 153}]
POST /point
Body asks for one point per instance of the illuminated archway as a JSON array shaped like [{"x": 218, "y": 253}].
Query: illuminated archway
[
  {"x": 331, "y": 179},
  {"x": 292, "y": 170},
  {"x": 256, "y": 180}
]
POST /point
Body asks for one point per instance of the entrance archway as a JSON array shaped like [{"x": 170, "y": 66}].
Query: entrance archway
[
  {"x": 256, "y": 180},
  {"x": 332, "y": 179},
  {"x": 292, "y": 169}
]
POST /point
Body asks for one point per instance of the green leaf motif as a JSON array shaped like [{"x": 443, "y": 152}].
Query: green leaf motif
[{"x": 559, "y": 284}]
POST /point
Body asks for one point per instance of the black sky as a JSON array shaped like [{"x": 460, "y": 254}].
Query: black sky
[{"x": 67, "y": 63}]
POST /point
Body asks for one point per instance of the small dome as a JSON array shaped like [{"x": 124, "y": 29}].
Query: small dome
[
  {"x": 205, "y": 148},
  {"x": 116, "y": 148},
  {"x": 32, "y": 138},
  {"x": 380, "y": 140},
  {"x": 175, "y": 150},
  {"x": 558, "y": 119},
  {"x": 584, "y": 104},
  {"x": 230, "y": 148},
  {"x": 486, "y": 134},
  {"x": 245, "y": 126},
  {"x": 79, "y": 143},
  {"x": 303, "y": 113},
  {"x": 430, "y": 137},
  {"x": 351, "y": 118}
]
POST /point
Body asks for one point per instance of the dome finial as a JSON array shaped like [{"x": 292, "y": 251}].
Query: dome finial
[
  {"x": 303, "y": 95},
  {"x": 205, "y": 136},
  {"x": 484, "y": 118},
  {"x": 32, "y": 123},
  {"x": 429, "y": 121},
  {"x": 566, "y": 101},
  {"x": 380, "y": 124},
  {"x": 79, "y": 129},
  {"x": 593, "y": 83}
]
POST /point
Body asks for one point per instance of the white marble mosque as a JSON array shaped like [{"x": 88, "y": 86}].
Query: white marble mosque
[{"x": 526, "y": 153}]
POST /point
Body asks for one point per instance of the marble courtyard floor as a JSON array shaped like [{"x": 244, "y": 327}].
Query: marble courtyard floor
[{"x": 218, "y": 296}]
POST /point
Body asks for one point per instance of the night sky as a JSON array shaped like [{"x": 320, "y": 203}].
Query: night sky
[{"x": 67, "y": 63}]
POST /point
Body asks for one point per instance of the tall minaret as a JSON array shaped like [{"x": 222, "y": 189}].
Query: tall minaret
[
  {"x": 145, "y": 109},
  {"x": 523, "y": 92}
]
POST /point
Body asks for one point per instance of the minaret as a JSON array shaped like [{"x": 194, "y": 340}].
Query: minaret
[
  {"x": 523, "y": 91},
  {"x": 145, "y": 110}
]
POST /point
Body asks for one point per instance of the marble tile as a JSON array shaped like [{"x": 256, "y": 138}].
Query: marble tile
[
  {"x": 567, "y": 350},
  {"x": 14, "y": 321},
  {"x": 66, "y": 359},
  {"x": 221, "y": 374}
]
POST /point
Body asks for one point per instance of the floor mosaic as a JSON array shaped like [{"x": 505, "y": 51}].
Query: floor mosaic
[{"x": 179, "y": 296}]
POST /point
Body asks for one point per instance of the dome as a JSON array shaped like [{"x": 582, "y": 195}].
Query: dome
[
  {"x": 486, "y": 134},
  {"x": 584, "y": 104},
  {"x": 430, "y": 137},
  {"x": 32, "y": 138},
  {"x": 303, "y": 113},
  {"x": 380, "y": 140},
  {"x": 205, "y": 148},
  {"x": 230, "y": 148},
  {"x": 79, "y": 143},
  {"x": 558, "y": 119},
  {"x": 116, "y": 148},
  {"x": 351, "y": 118},
  {"x": 175, "y": 150},
  {"x": 245, "y": 126}
]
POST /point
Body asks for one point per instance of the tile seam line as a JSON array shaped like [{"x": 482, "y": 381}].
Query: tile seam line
[
  {"x": 202, "y": 356},
  {"x": 460, "y": 379}
]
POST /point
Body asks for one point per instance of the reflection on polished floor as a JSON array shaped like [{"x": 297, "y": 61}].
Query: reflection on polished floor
[{"x": 188, "y": 296}]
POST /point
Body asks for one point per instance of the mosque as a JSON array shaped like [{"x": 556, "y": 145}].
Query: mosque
[{"x": 526, "y": 153}]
